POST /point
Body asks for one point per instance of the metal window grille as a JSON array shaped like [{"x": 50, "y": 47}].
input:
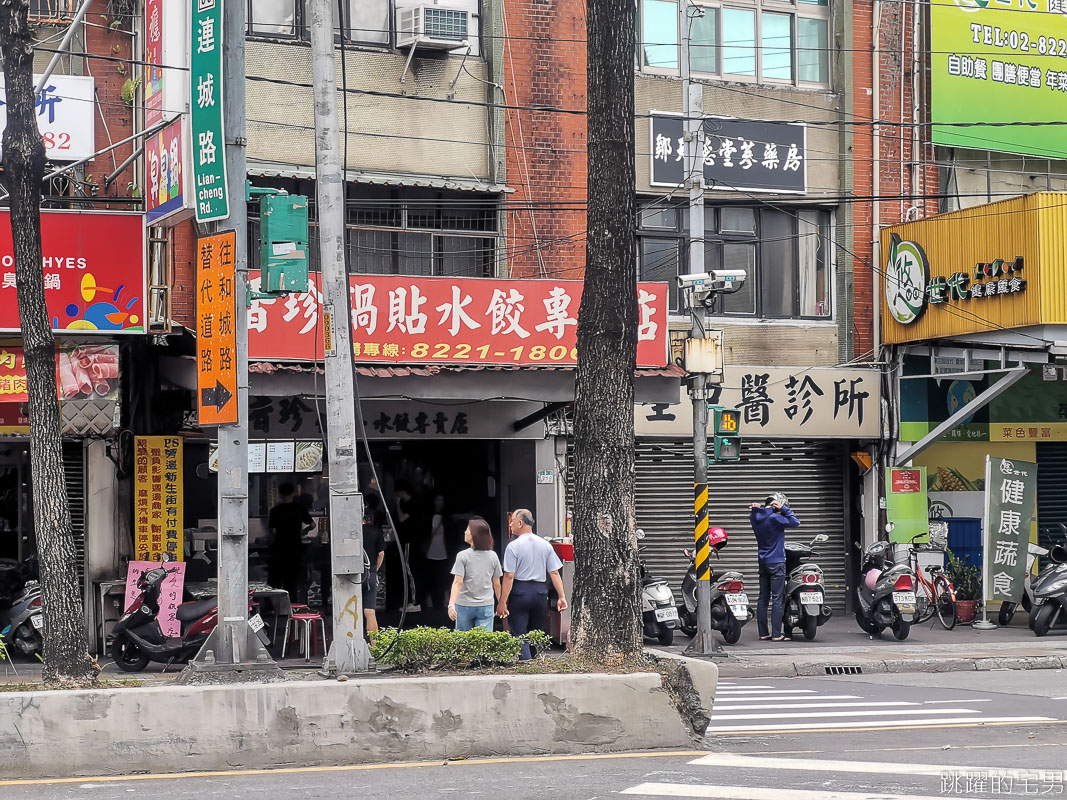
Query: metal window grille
[{"x": 52, "y": 10}]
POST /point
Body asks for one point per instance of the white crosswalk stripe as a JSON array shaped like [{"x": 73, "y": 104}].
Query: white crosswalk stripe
[{"x": 778, "y": 707}]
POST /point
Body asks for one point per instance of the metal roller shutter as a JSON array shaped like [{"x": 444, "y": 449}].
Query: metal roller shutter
[
  {"x": 74, "y": 469},
  {"x": 810, "y": 473},
  {"x": 1051, "y": 480}
]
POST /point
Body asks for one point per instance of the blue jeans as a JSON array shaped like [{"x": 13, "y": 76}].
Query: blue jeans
[
  {"x": 470, "y": 617},
  {"x": 771, "y": 587}
]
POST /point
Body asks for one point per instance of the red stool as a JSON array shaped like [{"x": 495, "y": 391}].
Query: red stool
[{"x": 302, "y": 623}]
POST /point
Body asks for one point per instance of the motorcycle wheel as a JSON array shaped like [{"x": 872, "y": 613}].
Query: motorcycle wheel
[
  {"x": 865, "y": 626},
  {"x": 810, "y": 627},
  {"x": 901, "y": 629},
  {"x": 1041, "y": 622},
  {"x": 666, "y": 634},
  {"x": 128, "y": 656},
  {"x": 732, "y": 634},
  {"x": 687, "y": 623},
  {"x": 1007, "y": 611}
]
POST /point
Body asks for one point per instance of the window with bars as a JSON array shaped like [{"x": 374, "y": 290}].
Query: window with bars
[
  {"x": 786, "y": 254},
  {"x": 403, "y": 231},
  {"x": 52, "y": 11},
  {"x": 766, "y": 41}
]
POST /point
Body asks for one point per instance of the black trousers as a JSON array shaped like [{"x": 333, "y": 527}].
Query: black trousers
[{"x": 527, "y": 611}]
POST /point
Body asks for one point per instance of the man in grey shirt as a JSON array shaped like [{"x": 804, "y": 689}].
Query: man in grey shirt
[{"x": 529, "y": 562}]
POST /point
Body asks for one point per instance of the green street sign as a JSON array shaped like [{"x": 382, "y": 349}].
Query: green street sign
[{"x": 205, "y": 90}]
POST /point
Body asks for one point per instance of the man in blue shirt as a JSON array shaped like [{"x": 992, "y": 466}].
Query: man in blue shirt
[
  {"x": 769, "y": 522},
  {"x": 529, "y": 562}
]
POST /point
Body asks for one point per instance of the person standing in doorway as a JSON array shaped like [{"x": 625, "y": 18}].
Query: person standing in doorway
[
  {"x": 373, "y": 555},
  {"x": 769, "y": 521},
  {"x": 529, "y": 562},
  {"x": 438, "y": 556},
  {"x": 477, "y": 580},
  {"x": 288, "y": 522}
]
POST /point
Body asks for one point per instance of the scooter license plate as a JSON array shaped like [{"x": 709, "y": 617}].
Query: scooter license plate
[
  {"x": 665, "y": 614},
  {"x": 255, "y": 622},
  {"x": 811, "y": 597},
  {"x": 37, "y": 621},
  {"x": 737, "y": 599},
  {"x": 904, "y": 598}
]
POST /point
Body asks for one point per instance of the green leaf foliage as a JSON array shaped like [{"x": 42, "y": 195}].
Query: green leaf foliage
[{"x": 422, "y": 649}]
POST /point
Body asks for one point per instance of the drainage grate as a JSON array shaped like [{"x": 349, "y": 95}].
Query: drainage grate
[{"x": 844, "y": 669}]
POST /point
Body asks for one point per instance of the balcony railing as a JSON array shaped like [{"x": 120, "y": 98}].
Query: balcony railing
[{"x": 52, "y": 11}]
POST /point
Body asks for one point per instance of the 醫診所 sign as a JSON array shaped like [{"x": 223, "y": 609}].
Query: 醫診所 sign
[
  {"x": 998, "y": 62},
  {"x": 1010, "y": 491},
  {"x": 206, "y": 112}
]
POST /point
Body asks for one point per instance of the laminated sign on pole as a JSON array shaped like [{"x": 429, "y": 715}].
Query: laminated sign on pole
[
  {"x": 1010, "y": 493},
  {"x": 209, "y": 162}
]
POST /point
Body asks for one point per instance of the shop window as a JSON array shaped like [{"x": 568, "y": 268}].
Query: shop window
[
  {"x": 368, "y": 21},
  {"x": 773, "y": 41},
  {"x": 785, "y": 253},
  {"x": 273, "y": 17}
]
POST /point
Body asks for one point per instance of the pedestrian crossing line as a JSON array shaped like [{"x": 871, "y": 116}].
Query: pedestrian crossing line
[
  {"x": 777, "y": 699},
  {"x": 744, "y": 692},
  {"x": 969, "y": 700},
  {"x": 759, "y": 793},
  {"x": 774, "y": 706},
  {"x": 734, "y": 761},
  {"x": 869, "y": 724},
  {"x": 871, "y": 712}
]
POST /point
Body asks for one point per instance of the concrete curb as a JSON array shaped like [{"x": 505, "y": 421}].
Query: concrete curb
[
  {"x": 754, "y": 668},
  {"x": 311, "y": 723}
]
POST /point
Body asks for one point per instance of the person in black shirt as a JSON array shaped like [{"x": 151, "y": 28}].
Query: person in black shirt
[
  {"x": 374, "y": 555},
  {"x": 288, "y": 522}
]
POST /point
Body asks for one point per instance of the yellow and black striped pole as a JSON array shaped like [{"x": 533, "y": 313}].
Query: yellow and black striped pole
[{"x": 702, "y": 558}]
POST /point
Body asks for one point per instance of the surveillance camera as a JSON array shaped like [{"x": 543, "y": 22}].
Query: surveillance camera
[{"x": 717, "y": 281}]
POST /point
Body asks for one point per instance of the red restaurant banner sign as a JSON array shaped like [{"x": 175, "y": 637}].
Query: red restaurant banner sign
[
  {"x": 94, "y": 272},
  {"x": 402, "y": 319}
]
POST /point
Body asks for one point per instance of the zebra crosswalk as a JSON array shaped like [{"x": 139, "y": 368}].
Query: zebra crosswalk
[{"x": 777, "y": 707}]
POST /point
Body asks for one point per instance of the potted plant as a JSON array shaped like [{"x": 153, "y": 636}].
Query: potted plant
[{"x": 967, "y": 581}]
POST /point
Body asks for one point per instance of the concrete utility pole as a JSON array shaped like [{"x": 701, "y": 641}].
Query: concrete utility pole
[
  {"x": 348, "y": 652},
  {"x": 233, "y": 645},
  {"x": 706, "y": 642}
]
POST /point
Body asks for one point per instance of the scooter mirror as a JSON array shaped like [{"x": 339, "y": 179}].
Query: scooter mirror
[
  {"x": 889, "y": 527},
  {"x": 822, "y": 537},
  {"x": 640, "y": 534}
]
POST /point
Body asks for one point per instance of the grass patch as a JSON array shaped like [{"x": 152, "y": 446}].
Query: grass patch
[{"x": 40, "y": 686}]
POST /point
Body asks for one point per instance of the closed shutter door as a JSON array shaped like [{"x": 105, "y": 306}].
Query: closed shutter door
[
  {"x": 74, "y": 469},
  {"x": 810, "y": 474},
  {"x": 1051, "y": 480}
]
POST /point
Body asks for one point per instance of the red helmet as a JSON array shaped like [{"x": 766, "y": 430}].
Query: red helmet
[{"x": 717, "y": 538}]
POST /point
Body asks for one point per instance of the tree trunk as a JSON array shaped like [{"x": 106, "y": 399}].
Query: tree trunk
[
  {"x": 606, "y": 613},
  {"x": 66, "y": 656}
]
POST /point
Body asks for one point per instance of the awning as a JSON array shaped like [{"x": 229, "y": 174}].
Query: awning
[{"x": 266, "y": 169}]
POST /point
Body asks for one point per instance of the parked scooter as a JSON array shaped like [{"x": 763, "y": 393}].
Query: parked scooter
[
  {"x": 21, "y": 615},
  {"x": 805, "y": 595},
  {"x": 139, "y": 639},
  {"x": 1007, "y": 610},
  {"x": 659, "y": 615},
  {"x": 729, "y": 603},
  {"x": 1050, "y": 592},
  {"x": 886, "y": 593}
]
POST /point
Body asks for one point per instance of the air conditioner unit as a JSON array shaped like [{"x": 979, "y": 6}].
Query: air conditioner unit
[{"x": 432, "y": 27}]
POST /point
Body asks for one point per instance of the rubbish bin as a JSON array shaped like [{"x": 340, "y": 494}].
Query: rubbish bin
[{"x": 559, "y": 623}]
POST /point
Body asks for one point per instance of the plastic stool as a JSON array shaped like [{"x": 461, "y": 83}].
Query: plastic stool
[{"x": 305, "y": 633}]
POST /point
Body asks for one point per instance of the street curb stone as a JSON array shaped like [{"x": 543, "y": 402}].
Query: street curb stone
[{"x": 747, "y": 667}]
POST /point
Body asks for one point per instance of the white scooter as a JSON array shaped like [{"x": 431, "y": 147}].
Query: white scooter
[{"x": 659, "y": 615}]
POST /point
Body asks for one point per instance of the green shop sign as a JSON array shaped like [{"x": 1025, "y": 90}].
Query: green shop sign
[
  {"x": 999, "y": 61},
  {"x": 205, "y": 89}
]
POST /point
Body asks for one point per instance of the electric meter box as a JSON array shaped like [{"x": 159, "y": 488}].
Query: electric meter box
[{"x": 283, "y": 238}]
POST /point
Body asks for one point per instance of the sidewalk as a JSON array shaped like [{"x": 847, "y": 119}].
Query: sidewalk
[{"x": 840, "y": 643}]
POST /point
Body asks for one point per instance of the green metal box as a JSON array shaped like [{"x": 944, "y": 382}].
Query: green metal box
[{"x": 283, "y": 237}]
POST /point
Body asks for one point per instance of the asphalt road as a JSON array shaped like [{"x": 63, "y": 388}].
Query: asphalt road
[{"x": 913, "y": 755}]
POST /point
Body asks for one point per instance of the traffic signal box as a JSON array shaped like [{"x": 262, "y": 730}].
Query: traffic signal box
[
  {"x": 727, "y": 426},
  {"x": 283, "y": 238}
]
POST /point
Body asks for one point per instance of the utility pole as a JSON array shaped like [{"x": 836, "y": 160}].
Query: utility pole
[
  {"x": 707, "y": 641},
  {"x": 348, "y": 651},
  {"x": 233, "y": 645}
]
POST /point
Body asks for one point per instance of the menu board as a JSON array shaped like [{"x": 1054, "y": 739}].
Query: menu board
[
  {"x": 281, "y": 456},
  {"x": 257, "y": 456}
]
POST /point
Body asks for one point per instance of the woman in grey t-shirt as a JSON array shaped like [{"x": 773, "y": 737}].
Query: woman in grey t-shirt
[{"x": 476, "y": 587}]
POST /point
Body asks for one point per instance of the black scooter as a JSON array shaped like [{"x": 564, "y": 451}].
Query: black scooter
[
  {"x": 886, "y": 593},
  {"x": 805, "y": 594},
  {"x": 1050, "y": 593}
]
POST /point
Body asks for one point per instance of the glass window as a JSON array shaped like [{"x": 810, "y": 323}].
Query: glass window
[
  {"x": 373, "y": 252},
  {"x": 777, "y": 43},
  {"x": 662, "y": 217},
  {"x": 738, "y": 220},
  {"x": 704, "y": 41},
  {"x": 414, "y": 253},
  {"x": 659, "y": 260},
  {"x": 813, "y": 53},
  {"x": 813, "y": 232},
  {"x": 777, "y": 275},
  {"x": 739, "y": 41},
  {"x": 465, "y": 256},
  {"x": 272, "y": 17},
  {"x": 368, "y": 21},
  {"x": 740, "y": 256},
  {"x": 660, "y": 33}
]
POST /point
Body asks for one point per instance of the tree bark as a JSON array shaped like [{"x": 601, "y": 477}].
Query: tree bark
[
  {"x": 606, "y": 607},
  {"x": 66, "y": 656}
]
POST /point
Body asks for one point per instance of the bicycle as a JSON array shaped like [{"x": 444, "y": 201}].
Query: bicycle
[{"x": 934, "y": 591}]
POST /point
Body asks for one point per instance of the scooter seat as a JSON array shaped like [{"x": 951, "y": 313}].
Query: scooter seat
[
  {"x": 649, "y": 581},
  {"x": 187, "y": 612}
]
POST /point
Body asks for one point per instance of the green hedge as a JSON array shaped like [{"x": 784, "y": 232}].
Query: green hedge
[{"x": 443, "y": 648}]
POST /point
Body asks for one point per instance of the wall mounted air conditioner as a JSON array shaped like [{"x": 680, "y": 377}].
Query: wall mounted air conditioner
[{"x": 433, "y": 27}]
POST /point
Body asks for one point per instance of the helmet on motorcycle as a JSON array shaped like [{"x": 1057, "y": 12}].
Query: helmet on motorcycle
[
  {"x": 776, "y": 497},
  {"x": 717, "y": 538},
  {"x": 871, "y": 578}
]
